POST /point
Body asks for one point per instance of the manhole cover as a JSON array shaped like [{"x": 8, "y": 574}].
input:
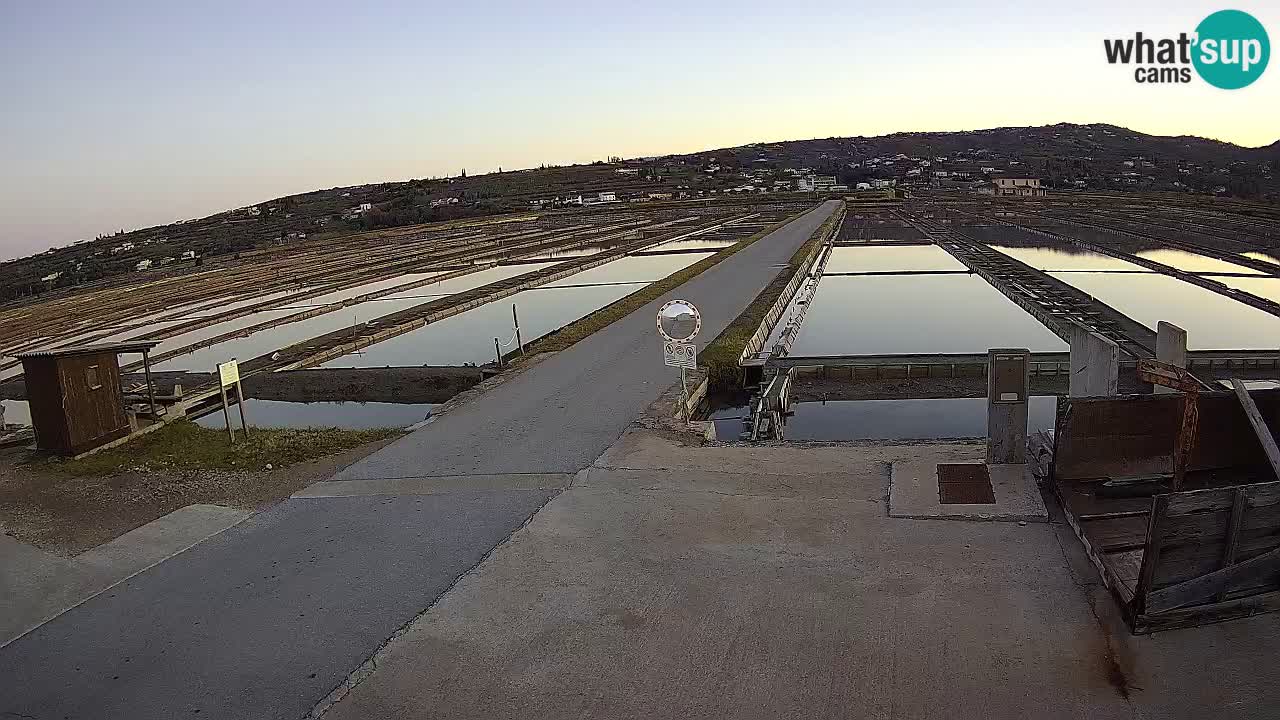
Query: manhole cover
[{"x": 965, "y": 485}]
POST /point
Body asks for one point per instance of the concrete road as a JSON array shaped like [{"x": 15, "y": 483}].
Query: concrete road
[
  {"x": 769, "y": 582},
  {"x": 264, "y": 620}
]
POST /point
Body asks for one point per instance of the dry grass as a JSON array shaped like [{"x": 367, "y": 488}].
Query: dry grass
[{"x": 184, "y": 445}]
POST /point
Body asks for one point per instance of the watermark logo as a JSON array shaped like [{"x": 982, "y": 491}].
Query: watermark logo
[{"x": 1229, "y": 50}]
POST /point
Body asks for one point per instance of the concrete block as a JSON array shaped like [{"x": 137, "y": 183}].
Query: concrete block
[
  {"x": 1095, "y": 365},
  {"x": 1171, "y": 347},
  {"x": 913, "y": 493},
  {"x": 1008, "y": 390}
]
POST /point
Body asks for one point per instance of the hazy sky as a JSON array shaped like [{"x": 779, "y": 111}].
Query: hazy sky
[{"x": 128, "y": 114}]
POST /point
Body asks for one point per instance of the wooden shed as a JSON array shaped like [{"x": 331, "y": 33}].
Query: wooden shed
[{"x": 76, "y": 396}]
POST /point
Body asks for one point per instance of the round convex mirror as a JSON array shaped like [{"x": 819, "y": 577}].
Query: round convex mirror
[{"x": 679, "y": 320}]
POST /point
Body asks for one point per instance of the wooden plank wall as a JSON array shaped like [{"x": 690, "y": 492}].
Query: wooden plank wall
[
  {"x": 1209, "y": 550},
  {"x": 1135, "y": 435},
  {"x": 95, "y": 415}
]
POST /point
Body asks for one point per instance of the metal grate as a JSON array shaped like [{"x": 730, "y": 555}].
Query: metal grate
[{"x": 965, "y": 485}]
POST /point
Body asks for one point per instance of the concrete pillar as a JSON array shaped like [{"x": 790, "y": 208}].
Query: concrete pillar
[
  {"x": 1095, "y": 365},
  {"x": 1171, "y": 347},
  {"x": 1008, "y": 391}
]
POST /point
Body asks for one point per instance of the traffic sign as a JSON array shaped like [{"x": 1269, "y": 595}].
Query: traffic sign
[{"x": 680, "y": 354}]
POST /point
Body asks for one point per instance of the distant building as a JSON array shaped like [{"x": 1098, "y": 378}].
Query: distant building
[
  {"x": 143, "y": 265},
  {"x": 1018, "y": 186},
  {"x": 606, "y": 196},
  {"x": 188, "y": 255},
  {"x": 863, "y": 186},
  {"x": 824, "y": 183},
  {"x": 805, "y": 183},
  {"x": 628, "y": 171}
]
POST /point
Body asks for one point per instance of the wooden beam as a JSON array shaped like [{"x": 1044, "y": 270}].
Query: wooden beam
[
  {"x": 1168, "y": 375},
  {"x": 1259, "y": 425},
  {"x": 1151, "y": 551},
  {"x": 1234, "y": 524},
  {"x": 1206, "y": 586}
]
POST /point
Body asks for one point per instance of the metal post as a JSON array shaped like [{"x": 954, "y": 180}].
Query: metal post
[
  {"x": 684, "y": 397},
  {"x": 226, "y": 412},
  {"x": 516, "y": 319},
  {"x": 244, "y": 423},
  {"x": 497, "y": 350},
  {"x": 151, "y": 390}
]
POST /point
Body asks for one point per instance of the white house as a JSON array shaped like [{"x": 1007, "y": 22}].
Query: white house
[
  {"x": 606, "y": 196},
  {"x": 142, "y": 265},
  {"x": 188, "y": 255},
  {"x": 1018, "y": 186}
]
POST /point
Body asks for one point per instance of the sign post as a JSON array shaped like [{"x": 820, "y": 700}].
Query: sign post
[
  {"x": 229, "y": 376},
  {"x": 679, "y": 323}
]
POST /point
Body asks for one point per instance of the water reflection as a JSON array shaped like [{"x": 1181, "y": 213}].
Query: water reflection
[
  {"x": 883, "y": 314},
  {"x": 467, "y": 338},
  {"x": 264, "y": 341},
  {"x": 1066, "y": 257},
  {"x": 1212, "y": 321},
  {"x": 1191, "y": 262},
  {"x": 904, "y": 419},
  {"x": 1265, "y": 257},
  {"x": 894, "y": 258},
  {"x": 345, "y": 415}
]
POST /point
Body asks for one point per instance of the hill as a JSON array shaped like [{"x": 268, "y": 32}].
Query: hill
[{"x": 1065, "y": 156}]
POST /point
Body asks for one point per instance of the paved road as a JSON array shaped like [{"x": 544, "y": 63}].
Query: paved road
[
  {"x": 562, "y": 414},
  {"x": 265, "y": 619}
]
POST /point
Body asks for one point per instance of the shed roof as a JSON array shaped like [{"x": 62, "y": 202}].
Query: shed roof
[{"x": 118, "y": 347}]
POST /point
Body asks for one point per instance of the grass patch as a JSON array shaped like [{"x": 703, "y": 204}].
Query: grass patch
[
  {"x": 720, "y": 356},
  {"x": 184, "y": 445},
  {"x": 573, "y": 332}
]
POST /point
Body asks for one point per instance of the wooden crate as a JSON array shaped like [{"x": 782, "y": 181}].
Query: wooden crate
[{"x": 1175, "y": 559}]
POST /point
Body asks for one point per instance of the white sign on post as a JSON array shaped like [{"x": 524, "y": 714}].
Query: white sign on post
[
  {"x": 681, "y": 355},
  {"x": 228, "y": 373}
]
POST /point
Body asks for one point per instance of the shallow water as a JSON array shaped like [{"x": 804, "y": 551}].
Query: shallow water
[
  {"x": 298, "y": 415},
  {"x": 467, "y": 338},
  {"x": 1191, "y": 262},
  {"x": 1212, "y": 321},
  {"x": 265, "y": 341},
  {"x": 1064, "y": 259},
  {"x": 891, "y": 314},
  {"x": 904, "y": 419},
  {"x": 892, "y": 258}
]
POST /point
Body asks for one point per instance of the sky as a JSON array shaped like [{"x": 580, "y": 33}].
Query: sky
[{"x": 120, "y": 115}]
